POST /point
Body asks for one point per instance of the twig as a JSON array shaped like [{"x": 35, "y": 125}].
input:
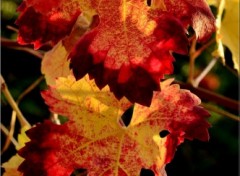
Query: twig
[
  {"x": 29, "y": 89},
  {"x": 13, "y": 104},
  {"x": 14, "y": 44},
  {"x": 221, "y": 112},
  {"x": 11, "y": 132},
  {"x": 193, "y": 54},
  {"x": 6, "y": 132},
  {"x": 204, "y": 72},
  {"x": 12, "y": 28},
  {"x": 202, "y": 48},
  {"x": 13, "y": 119},
  {"x": 38, "y": 54},
  {"x": 192, "y": 60}
]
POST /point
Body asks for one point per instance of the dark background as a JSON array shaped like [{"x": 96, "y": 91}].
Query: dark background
[{"x": 219, "y": 156}]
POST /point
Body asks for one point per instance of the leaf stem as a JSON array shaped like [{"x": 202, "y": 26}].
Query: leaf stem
[
  {"x": 6, "y": 132},
  {"x": 13, "y": 44},
  {"x": 10, "y": 133},
  {"x": 14, "y": 114},
  {"x": 12, "y": 28},
  {"x": 12, "y": 103},
  {"x": 192, "y": 60},
  {"x": 204, "y": 72},
  {"x": 202, "y": 48},
  {"x": 29, "y": 89}
]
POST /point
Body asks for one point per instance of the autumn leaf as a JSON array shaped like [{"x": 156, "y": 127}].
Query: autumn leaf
[
  {"x": 55, "y": 63},
  {"x": 130, "y": 47},
  {"x": 230, "y": 28},
  {"x": 43, "y": 21},
  {"x": 95, "y": 138},
  {"x": 12, "y": 165}
]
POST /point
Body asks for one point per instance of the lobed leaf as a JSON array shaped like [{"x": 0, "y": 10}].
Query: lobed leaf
[
  {"x": 128, "y": 47},
  {"x": 95, "y": 139},
  {"x": 43, "y": 21}
]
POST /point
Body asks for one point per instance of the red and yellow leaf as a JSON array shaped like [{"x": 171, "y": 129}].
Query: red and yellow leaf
[
  {"x": 42, "y": 21},
  {"x": 130, "y": 47},
  {"x": 95, "y": 138}
]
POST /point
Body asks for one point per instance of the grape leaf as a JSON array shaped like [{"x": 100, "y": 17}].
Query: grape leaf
[
  {"x": 55, "y": 64},
  {"x": 12, "y": 165},
  {"x": 132, "y": 65},
  {"x": 193, "y": 13},
  {"x": 95, "y": 138},
  {"x": 230, "y": 28},
  {"x": 130, "y": 48},
  {"x": 43, "y": 21}
]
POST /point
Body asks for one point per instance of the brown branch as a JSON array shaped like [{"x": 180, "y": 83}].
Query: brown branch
[
  {"x": 10, "y": 134},
  {"x": 6, "y": 132},
  {"x": 201, "y": 49},
  {"x": 13, "y": 104},
  {"x": 192, "y": 60},
  {"x": 29, "y": 89}
]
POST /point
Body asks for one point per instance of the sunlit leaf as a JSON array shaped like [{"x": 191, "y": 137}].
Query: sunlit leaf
[
  {"x": 130, "y": 42},
  {"x": 13, "y": 163},
  {"x": 96, "y": 139}
]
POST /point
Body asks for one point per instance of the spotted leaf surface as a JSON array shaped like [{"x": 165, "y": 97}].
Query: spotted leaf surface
[
  {"x": 42, "y": 22},
  {"x": 95, "y": 137},
  {"x": 130, "y": 42}
]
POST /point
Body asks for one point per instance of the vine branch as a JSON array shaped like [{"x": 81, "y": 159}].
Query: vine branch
[
  {"x": 14, "y": 44},
  {"x": 14, "y": 114},
  {"x": 6, "y": 132},
  {"x": 12, "y": 103},
  {"x": 10, "y": 133}
]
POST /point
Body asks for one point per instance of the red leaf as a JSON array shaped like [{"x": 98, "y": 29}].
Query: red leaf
[
  {"x": 129, "y": 49},
  {"x": 193, "y": 13},
  {"x": 42, "y": 21},
  {"x": 131, "y": 69}
]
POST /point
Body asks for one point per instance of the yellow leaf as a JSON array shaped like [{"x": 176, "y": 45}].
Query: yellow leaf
[
  {"x": 94, "y": 135},
  {"x": 55, "y": 64},
  {"x": 22, "y": 137},
  {"x": 230, "y": 28},
  {"x": 13, "y": 163}
]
